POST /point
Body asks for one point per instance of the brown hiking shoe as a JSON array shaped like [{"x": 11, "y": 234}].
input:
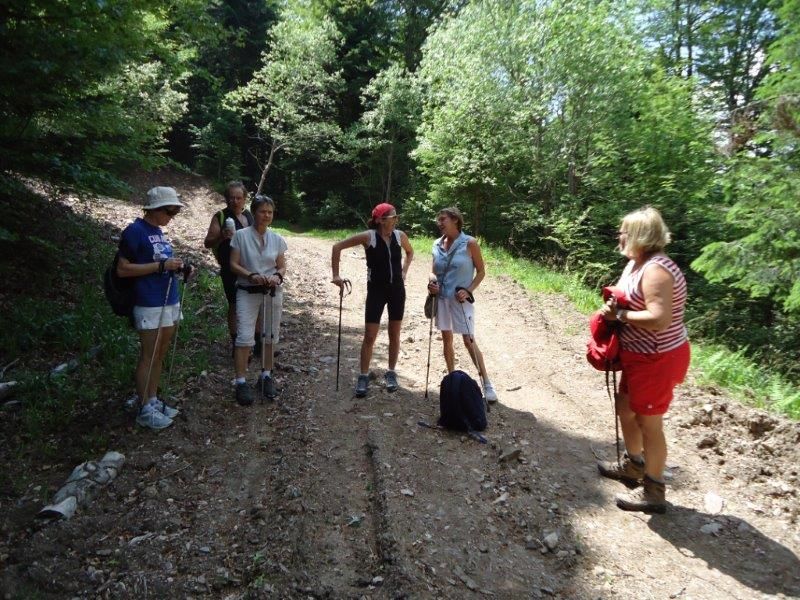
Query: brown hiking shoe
[
  {"x": 648, "y": 499},
  {"x": 630, "y": 473}
]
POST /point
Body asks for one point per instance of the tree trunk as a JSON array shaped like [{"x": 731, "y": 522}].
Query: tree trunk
[
  {"x": 387, "y": 194},
  {"x": 273, "y": 147},
  {"x": 476, "y": 214},
  {"x": 689, "y": 40}
]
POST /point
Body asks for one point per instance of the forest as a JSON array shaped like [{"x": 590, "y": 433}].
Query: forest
[{"x": 544, "y": 121}]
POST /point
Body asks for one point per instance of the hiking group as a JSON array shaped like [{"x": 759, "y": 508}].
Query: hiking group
[{"x": 654, "y": 345}]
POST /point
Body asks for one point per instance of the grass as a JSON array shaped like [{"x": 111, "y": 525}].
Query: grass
[
  {"x": 745, "y": 380},
  {"x": 713, "y": 364}
]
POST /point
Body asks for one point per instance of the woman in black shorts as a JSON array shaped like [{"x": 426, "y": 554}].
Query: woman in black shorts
[{"x": 386, "y": 273}]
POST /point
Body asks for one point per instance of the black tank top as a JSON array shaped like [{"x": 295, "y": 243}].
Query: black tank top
[
  {"x": 223, "y": 252},
  {"x": 384, "y": 263}
]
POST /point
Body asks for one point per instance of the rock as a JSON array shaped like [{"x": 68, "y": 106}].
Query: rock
[
  {"x": 713, "y": 503},
  {"x": 501, "y": 498},
  {"x": 760, "y": 424},
  {"x": 465, "y": 579},
  {"x": 551, "y": 540},
  {"x": 514, "y": 454},
  {"x": 711, "y": 528},
  {"x": 407, "y": 492},
  {"x": 708, "y": 442}
]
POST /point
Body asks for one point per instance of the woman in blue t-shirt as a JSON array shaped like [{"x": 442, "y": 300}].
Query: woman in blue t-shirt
[
  {"x": 146, "y": 254},
  {"x": 456, "y": 272}
]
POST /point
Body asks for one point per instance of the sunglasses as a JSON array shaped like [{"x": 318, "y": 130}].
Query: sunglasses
[
  {"x": 171, "y": 211},
  {"x": 390, "y": 218}
]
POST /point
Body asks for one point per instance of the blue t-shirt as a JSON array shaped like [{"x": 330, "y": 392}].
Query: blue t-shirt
[{"x": 144, "y": 243}]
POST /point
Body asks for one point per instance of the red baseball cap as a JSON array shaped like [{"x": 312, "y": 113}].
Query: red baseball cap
[{"x": 380, "y": 211}]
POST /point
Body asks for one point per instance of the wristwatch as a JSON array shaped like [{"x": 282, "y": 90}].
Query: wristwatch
[{"x": 619, "y": 314}]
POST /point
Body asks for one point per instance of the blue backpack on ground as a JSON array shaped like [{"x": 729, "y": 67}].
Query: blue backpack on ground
[{"x": 461, "y": 403}]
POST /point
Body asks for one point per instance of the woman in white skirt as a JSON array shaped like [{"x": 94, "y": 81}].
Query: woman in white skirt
[{"x": 456, "y": 272}]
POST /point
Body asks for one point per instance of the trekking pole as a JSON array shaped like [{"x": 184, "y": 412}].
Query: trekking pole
[
  {"x": 158, "y": 335},
  {"x": 614, "y": 400},
  {"x": 271, "y": 292},
  {"x": 467, "y": 322},
  {"x": 345, "y": 287},
  {"x": 430, "y": 339},
  {"x": 272, "y": 334},
  {"x": 186, "y": 272},
  {"x": 472, "y": 353}
]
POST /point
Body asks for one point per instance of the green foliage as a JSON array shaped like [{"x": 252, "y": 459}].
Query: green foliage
[
  {"x": 722, "y": 42},
  {"x": 548, "y": 123},
  {"x": 379, "y": 144},
  {"x": 91, "y": 88},
  {"x": 291, "y": 97},
  {"x": 761, "y": 254}
]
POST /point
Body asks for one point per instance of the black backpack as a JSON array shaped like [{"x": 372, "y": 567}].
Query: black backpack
[
  {"x": 120, "y": 291},
  {"x": 461, "y": 403}
]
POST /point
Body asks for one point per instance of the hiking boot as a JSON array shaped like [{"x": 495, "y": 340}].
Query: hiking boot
[
  {"x": 167, "y": 410},
  {"x": 647, "y": 499},
  {"x": 391, "y": 381},
  {"x": 629, "y": 472},
  {"x": 361, "y": 386},
  {"x": 244, "y": 395},
  {"x": 265, "y": 387},
  {"x": 152, "y": 418},
  {"x": 488, "y": 392}
]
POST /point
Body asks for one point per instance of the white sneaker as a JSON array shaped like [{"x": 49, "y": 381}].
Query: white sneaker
[
  {"x": 152, "y": 418},
  {"x": 167, "y": 410},
  {"x": 488, "y": 392}
]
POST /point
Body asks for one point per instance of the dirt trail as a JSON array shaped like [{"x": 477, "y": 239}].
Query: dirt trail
[{"x": 321, "y": 495}]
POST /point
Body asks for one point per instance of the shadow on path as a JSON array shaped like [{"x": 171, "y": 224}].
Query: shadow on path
[{"x": 722, "y": 549}]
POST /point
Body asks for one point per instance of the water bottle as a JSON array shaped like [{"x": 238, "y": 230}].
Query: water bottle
[{"x": 230, "y": 225}]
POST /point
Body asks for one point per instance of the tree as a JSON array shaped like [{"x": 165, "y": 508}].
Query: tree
[
  {"x": 380, "y": 142},
  {"x": 291, "y": 98},
  {"x": 721, "y": 42},
  {"x": 210, "y": 136},
  {"x": 549, "y": 121},
  {"x": 762, "y": 252}
]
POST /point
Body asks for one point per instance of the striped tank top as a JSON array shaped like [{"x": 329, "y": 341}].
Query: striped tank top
[{"x": 641, "y": 340}]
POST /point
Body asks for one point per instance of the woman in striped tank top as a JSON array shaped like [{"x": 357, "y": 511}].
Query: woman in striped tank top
[{"x": 655, "y": 356}]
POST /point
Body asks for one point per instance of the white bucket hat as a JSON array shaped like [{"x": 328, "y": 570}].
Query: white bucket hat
[{"x": 159, "y": 197}]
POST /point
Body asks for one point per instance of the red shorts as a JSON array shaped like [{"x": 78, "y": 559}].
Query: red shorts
[{"x": 648, "y": 379}]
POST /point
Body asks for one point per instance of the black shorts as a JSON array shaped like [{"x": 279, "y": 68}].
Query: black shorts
[
  {"x": 379, "y": 296},
  {"x": 229, "y": 285}
]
